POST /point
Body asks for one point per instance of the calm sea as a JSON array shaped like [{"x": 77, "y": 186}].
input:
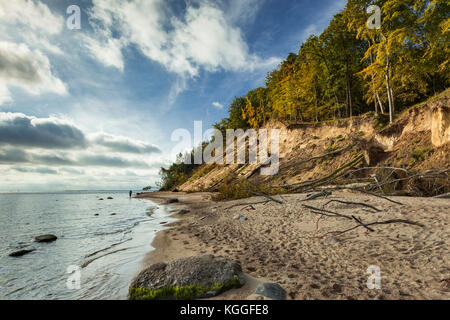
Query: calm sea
[{"x": 105, "y": 240}]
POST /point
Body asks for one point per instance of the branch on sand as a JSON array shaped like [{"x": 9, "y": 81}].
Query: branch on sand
[
  {"x": 262, "y": 194},
  {"x": 353, "y": 203},
  {"x": 248, "y": 204},
  {"x": 328, "y": 213},
  {"x": 380, "y": 223}
]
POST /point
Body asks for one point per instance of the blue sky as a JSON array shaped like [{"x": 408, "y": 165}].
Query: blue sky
[{"x": 109, "y": 96}]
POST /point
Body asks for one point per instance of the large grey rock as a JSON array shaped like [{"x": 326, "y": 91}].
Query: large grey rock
[
  {"x": 46, "y": 238},
  {"x": 271, "y": 290},
  {"x": 206, "y": 271}
]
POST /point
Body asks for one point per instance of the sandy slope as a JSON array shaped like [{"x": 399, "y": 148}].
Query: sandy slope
[{"x": 287, "y": 244}]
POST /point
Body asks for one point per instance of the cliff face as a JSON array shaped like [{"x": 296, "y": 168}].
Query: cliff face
[{"x": 418, "y": 141}]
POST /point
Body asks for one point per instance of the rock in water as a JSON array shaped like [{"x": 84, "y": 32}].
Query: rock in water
[
  {"x": 186, "y": 279},
  {"x": 46, "y": 238},
  {"x": 20, "y": 253},
  {"x": 271, "y": 290}
]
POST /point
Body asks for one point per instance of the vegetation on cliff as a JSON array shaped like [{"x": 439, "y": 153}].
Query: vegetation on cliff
[{"x": 349, "y": 70}]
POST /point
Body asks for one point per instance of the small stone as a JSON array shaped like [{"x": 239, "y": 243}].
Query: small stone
[
  {"x": 46, "y": 238},
  {"x": 174, "y": 200},
  {"x": 257, "y": 297},
  {"x": 337, "y": 288},
  {"x": 271, "y": 290},
  {"x": 183, "y": 212},
  {"x": 20, "y": 253},
  {"x": 110, "y": 198},
  {"x": 330, "y": 240},
  {"x": 207, "y": 295}
]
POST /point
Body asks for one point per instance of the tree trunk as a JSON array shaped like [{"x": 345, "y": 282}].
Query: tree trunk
[
  {"x": 380, "y": 103},
  {"x": 316, "y": 103},
  {"x": 375, "y": 94},
  {"x": 349, "y": 91},
  {"x": 389, "y": 92}
]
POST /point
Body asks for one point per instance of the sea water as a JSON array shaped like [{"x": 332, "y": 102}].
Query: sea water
[{"x": 103, "y": 241}]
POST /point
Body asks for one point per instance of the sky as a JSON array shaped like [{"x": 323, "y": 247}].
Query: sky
[{"x": 94, "y": 108}]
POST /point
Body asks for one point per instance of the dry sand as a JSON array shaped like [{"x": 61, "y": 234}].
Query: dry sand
[{"x": 288, "y": 244}]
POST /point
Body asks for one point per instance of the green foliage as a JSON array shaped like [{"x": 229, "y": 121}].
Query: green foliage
[
  {"x": 346, "y": 70},
  {"x": 381, "y": 121},
  {"x": 189, "y": 292},
  {"x": 240, "y": 189},
  {"x": 421, "y": 154},
  {"x": 203, "y": 171},
  {"x": 178, "y": 173}
]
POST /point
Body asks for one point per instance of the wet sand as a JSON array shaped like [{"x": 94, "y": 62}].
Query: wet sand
[{"x": 296, "y": 248}]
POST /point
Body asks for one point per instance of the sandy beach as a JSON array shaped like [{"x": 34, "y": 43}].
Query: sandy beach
[{"x": 298, "y": 248}]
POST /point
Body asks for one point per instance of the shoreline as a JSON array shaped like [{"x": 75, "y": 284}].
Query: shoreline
[{"x": 286, "y": 244}]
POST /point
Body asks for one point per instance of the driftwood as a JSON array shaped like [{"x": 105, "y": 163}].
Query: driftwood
[
  {"x": 318, "y": 157},
  {"x": 328, "y": 213},
  {"x": 376, "y": 195},
  {"x": 379, "y": 223},
  {"x": 443, "y": 196},
  {"x": 321, "y": 181},
  {"x": 354, "y": 203},
  {"x": 317, "y": 195},
  {"x": 248, "y": 204},
  {"x": 262, "y": 194}
]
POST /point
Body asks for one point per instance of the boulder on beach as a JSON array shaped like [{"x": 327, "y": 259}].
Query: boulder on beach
[
  {"x": 183, "y": 212},
  {"x": 21, "y": 253},
  {"x": 173, "y": 200},
  {"x": 186, "y": 279},
  {"x": 46, "y": 238},
  {"x": 110, "y": 198}
]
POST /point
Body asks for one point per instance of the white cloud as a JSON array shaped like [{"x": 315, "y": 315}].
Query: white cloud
[
  {"x": 202, "y": 38},
  {"x": 26, "y": 69},
  {"x": 123, "y": 144},
  {"x": 33, "y": 14},
  {"x": 242, "y": 11},
  {"x": 217, "y": 105}
]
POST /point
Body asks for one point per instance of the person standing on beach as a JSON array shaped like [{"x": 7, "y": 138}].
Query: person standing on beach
[{"x": 131, "y": 193}]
